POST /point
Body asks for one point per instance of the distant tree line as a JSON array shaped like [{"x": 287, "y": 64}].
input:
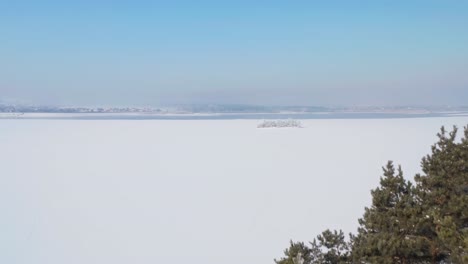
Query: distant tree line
[
  {"x": 279, "y": 123},
  {"x": 424, "y": 222}
]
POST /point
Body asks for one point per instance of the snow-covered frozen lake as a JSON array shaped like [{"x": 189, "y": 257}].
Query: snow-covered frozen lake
[{"x": 190, "y": 191}]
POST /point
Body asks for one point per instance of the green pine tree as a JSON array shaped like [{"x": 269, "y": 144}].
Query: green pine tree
[
  {"x": 336, "y": 249},
  {"x": 443, "y": 194},
  {"x": 387, "y": 232},
  {"x": 329, "y": 247},
  {"x": 296, "y": 248},
  {"x": 425, "y": 223}
]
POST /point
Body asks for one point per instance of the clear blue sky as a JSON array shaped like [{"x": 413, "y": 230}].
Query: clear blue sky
[{"x": 252, "y": 52}]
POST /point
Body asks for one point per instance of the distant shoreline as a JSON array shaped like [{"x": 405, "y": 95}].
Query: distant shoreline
[{"x": 230, "y": 116}]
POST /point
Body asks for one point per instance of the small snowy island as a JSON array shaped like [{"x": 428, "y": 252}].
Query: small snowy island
[{"x": 279, "y": 123}]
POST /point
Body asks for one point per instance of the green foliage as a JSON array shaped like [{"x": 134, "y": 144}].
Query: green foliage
[
  {"x": 329, "y": 247},
  {"x": 422, "y": 223},
  {"x": 387, "y": 232},
  {"x": 294, "y": 249},
  {"x": 335, "y": 246},
  {"x": 443, "y": 195}
]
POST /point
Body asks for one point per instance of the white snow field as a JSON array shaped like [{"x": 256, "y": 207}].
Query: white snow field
[{"x": 200, "y": 191}]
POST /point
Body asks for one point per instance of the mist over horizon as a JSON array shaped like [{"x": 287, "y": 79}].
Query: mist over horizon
[{"x": 15, "y": 102}]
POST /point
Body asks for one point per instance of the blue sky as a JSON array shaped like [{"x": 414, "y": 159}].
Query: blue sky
[{"x": 249, "y": 52}]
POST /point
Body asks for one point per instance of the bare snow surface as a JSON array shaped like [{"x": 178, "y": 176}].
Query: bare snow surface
[{"x": 199, "y": 191}]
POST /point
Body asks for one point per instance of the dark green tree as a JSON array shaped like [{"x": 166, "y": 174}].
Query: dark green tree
[
  {"x": 424, "y": 223},
  {"x": 295, "y": 248},
  {"x": 387, "y": 232},
  {"x": 335, "y": 248},
  {"x": 442, "y": 191},
  {"x": 329, "y": 247}
]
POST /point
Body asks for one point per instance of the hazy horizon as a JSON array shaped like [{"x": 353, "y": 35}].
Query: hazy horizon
[
  {"x": 23, "y": 103},
  {"x": 280, "y": 53}
]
